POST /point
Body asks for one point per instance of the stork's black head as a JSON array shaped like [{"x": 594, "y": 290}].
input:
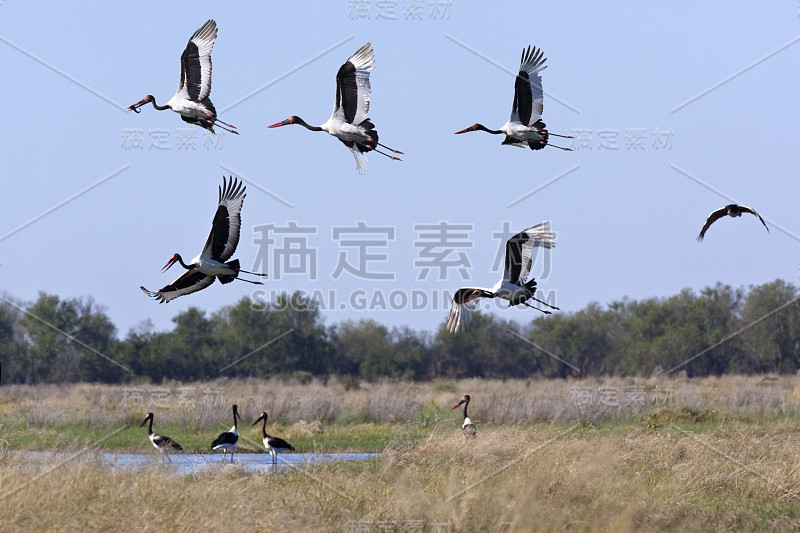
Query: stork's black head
[
  {"x": 734, "y": 210},
  {"x": 464, "y": 399},
  {"x": 146, "y": 418}
]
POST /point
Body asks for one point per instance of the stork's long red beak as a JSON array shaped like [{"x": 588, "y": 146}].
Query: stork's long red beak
[
  {"x": 286, "y": 122},
  {"x": 135, "y": 107},
  {"x": 465, "y": 130},
  {"x": 172, "y": 261},
  {"x": 457, "y": 405}
]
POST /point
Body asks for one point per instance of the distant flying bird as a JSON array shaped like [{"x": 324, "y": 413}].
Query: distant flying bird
[
  {"x": 525, "y": 127},
  {"x": 274, "y": 445},
  {"x": 349, "y": 122},
  {"x": 512, "y": 286},
  {"x": 220, "y": 245},
  {"x": 227, "y": 441},
  {"x": 163, "y": 444},
  {"x": 731, "y": 210},
  {"x": 467, "y": 427},
  {"x": 192, "y": 101}
]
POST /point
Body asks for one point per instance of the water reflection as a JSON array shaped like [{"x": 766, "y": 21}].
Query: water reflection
[{"x": 189, "y": 463}]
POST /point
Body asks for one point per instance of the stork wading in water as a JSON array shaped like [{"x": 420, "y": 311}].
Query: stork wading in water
[
  {"x": 163, "y": 444},
  {"x": 349, "y": 122},
  {"x": 525, "y": 127},
  {"x": 227, "y": 441},
  {"x": 192, "y": 101},
  {"x": 467, "y": 427},
  {"x": 212, "y": 262},
  {"x": 274, "y": 445},
  {"x": 732, "y": 210},
  {"x": 513, "y": 285}
]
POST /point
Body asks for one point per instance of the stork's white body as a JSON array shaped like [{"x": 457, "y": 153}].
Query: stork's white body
[
  {"x": 522, "y": 133},
  {"x": 211, "y": 267},
  {"x": 181, "y": 104}
]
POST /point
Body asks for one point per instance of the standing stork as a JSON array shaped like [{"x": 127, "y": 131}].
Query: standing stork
[
  {"x": 349, "y": 122},
  {"x": 512, "y": 286},
  {"x": 525, "y": 127},
  {"x": 467, "y": 427},
  {"x": 227, "y": 441},
  {"x": 220, "y": 245},
  {"x": 191, "y": 101},
  {"x": 163, "y": 444},
  {"x": 274, "y": 445},
  {"x": 732, "y": 210}
]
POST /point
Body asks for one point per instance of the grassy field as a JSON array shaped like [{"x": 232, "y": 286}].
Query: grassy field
[{"x": 591, "y": 455}]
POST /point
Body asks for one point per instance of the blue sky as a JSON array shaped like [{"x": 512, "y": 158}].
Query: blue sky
[{"x": 679, "y": 108}]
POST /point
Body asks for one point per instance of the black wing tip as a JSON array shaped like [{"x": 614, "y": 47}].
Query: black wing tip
[
  {"x": 208, "y": 28},
  {"x": 532, "y": 54},
  {"x": 231, "y": 189},
  {"x": 158, "y": 297}
]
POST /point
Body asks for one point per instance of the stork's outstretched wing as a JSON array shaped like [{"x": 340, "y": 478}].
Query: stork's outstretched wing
[
  {"x": 188, "y": 282},
  {"x": 224, "y": 235},
  {"x": 352, "y": 86},
  {"x": 464, "y": 301},
  {"x": 519, "y": 251},
  {"x": 195, "y": 81},
  {"x": 528, "y": 94}
]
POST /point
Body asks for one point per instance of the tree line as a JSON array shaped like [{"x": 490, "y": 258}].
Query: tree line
[{"x": 718, "y": 330}]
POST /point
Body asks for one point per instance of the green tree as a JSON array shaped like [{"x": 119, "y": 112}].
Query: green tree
[
  {"x": 11, "y": 352},
  {"x": 284, "y": 337},
  {"x": 67, "y": 341},
  {"x": 772, "y": 339}
]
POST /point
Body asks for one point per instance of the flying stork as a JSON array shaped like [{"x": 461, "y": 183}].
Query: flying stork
[
  {"x": 349, "y": 122},
  {"x": 220, "y": 245},
  {"x": 274, "y": 445},
  {"x": 191, "y": 100},
  {"x": 732, "y": 210},
  {"x": 227, "y": 441},
  {"x": 525, "y": 127},
  {"x": 163, "y": 444},
  {"x": 467, "y": 427},
  {"x": 513, "y": 286}
]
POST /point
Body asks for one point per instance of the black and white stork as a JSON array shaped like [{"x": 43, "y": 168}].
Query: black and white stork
[
  {"x": 163, "y": 444},
  {"x": 191, "y": 101},
  {"x": 525, "y": 127},
  {"x": 220, "y": 245},
  {"x": 513, "y": 285},
  {"x": 467, "y": 427},
  {"x": 274, "y": 445},
  {"x": 732, "y": 210},
  {"x": 227, "y": 441},
  {"x": 349, "y": 122}
]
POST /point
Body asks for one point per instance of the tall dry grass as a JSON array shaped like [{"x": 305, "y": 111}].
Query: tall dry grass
[{"x": 494, "y": 402}]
